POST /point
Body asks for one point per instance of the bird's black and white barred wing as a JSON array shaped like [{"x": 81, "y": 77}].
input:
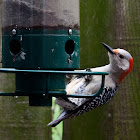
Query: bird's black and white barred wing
[{"x": 104, "y": 97}]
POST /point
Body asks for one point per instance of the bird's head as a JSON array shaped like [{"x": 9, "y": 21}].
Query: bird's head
[{"x": 121, "y": 61}]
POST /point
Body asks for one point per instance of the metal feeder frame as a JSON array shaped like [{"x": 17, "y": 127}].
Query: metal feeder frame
[{"x": 54, "y": 93}]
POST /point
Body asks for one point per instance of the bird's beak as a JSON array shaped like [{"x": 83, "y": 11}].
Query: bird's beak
[{"x": 108, "y": 48}]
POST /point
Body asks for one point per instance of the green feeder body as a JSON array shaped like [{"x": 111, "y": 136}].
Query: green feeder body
[{"x": 40, "y": 35}]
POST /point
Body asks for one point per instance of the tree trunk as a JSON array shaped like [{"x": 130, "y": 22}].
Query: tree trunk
[
  {"x": 116, "y": 23},
  {"x": 126, "y": 103}
]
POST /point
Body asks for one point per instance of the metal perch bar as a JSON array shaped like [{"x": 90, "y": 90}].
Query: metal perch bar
[
  {"x": 22, "y": 94},
  {"x": 8, "y": 70}
]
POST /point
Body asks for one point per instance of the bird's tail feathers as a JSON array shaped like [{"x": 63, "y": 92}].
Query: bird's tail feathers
[
  {"x": 54, "y": 123},
  {"x": 64, "y": 115}
]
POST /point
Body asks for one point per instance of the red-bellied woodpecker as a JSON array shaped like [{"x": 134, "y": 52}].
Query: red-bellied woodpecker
[{"x": 121, "y": 63}]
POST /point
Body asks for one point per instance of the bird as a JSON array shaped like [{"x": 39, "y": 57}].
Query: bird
[{"x": 121, "y": 63}]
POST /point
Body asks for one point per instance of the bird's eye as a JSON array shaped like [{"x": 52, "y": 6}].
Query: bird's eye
[{"x": 121, "y": 56}]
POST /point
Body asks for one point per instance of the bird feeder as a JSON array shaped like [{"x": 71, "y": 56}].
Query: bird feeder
[{"x": 40, "y": 43}]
